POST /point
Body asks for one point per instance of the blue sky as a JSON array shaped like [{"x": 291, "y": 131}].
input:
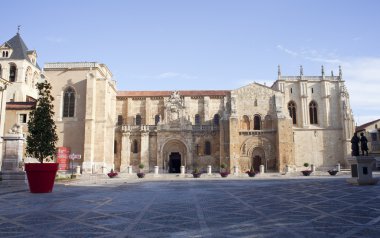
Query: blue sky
[{"x": 209, "y": 44}]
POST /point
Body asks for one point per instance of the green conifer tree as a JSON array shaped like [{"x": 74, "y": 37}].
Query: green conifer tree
[{"x": 42, "y": 135}]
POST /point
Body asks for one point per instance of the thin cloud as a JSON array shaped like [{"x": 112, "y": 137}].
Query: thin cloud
[{"x": 290, "y": 52}]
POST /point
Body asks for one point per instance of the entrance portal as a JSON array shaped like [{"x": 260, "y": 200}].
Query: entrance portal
[
  {"x": 175, "y": 162},
  {"x": 256, "y": 163}
]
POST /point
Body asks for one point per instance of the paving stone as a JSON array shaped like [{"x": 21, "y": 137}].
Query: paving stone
[{"x": 188, "y": 208}]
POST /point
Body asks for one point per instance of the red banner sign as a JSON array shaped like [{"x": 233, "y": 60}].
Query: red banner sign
[{"x": 63, "y": 158}]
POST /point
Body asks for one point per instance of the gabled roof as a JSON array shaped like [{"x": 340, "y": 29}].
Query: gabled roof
[
  {"x": 20, "y": 50},
  {"x": 20, "y": 105},
  {"x": 362, "y": 127}
]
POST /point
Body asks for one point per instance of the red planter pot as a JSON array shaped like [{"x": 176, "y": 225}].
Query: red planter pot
[{"x": 41, "y": 176}]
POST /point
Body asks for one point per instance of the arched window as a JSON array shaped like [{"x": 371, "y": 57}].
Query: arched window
[
  {"x": 245, "y": 124},
  {"x": 313, "y": 113},
  {"x": 257, "y": 122},
  {"x": 293, "y": 111},
  {"x": 135, "y": 147},
  {"x": 138, "y": 120},
  {"x": 69, "y": 102},
  {"x": 35, "y": 79},
  {"x": 156, "y": 119},
  {"x": 12, "y": 73},
  {"x": 207, "y": 148},
  {"x": 268, "y": 122},
  {"x": 216, "y": 119},
  {"x": 28, "y": 75},
  {"x": 197, "y": 119}
]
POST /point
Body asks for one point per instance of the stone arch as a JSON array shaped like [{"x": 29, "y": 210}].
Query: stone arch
[
  {"x": 258, "y": 146},
  {"x": 169, "y": 148},
  {"x": 258, "y": 158}
]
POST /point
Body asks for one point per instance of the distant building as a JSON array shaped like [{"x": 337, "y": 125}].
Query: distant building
[
  {"x": 372, "y": 131},
  {"x": 298, "y": 119}
]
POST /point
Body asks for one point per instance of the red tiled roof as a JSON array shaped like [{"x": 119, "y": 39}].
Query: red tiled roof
[
  {"x": 168, "y": 93},
  {"x": 362, "y": 127},
  {"x": 20, "y": 105}
]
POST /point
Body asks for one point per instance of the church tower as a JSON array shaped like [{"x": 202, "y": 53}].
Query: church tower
[{"x": 19, "y": 66}]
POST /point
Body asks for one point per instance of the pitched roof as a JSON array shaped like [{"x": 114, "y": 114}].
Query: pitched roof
[
  {"x": 20, "y": 105},
  {"x": 20, "y": 50},
  {"x": 168, "y": 93},
  {"x": 362, "y": 127}
]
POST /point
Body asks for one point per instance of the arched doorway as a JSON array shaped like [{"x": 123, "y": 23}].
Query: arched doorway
[
  {"x": 256, "y": 163},
  {"x": 174, "y": 154},
  {"x": 174, "y": 162},
  {"x": 258, "y": 158}
]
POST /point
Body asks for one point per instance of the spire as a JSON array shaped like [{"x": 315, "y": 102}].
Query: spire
[
  {"x": 278, "y": 71},
  {"x": 301, "y": 70},
  {"x": 332, "y": 73},
  {"x": 340, "y": 72},
  {"x": 18, "y": 29},
  {"x": 323, "y": 71}
]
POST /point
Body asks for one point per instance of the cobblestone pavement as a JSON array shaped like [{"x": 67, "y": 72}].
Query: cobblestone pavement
[{"x": 196, "y": 208}]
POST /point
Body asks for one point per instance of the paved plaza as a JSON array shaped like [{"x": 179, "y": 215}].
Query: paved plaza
[{"x": 312, "y": 207}]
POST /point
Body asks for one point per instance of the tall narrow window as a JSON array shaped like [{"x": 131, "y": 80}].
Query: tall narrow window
[
  {"x": 69, "y": 102},
  {"x": 313, "y": 113},
  {"x": 292, "y": 112},
  {"x": 256, "y": 122},
  {"x": 12, "y": 73},
  {"x": 156, "y": 119},
  {"x": 115, "y": 147},
  {"x": 197, "y": 119},
  {"x": 135, "y": 147},
  {"x": 207, "y": 148},
  {"x": 138, "y": 120},
  {"x": 216, "y": 119},
  {"x": 120, "y": 120},
  {"x": 1, "y": 72}
]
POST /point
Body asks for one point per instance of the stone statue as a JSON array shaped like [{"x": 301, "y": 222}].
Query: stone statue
[
  {"x": 363, "y": 144},
  {"x": 355, "y": 145}
]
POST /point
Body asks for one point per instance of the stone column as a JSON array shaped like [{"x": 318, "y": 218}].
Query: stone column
[
  {"x": 125, "y": 151},
  {"x": 145, "y": 148},
  {"x": 12, "y": 156}
]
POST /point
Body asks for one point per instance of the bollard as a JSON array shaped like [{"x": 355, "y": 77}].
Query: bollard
[
  {"x": 287, "y": 170},
  {"x": 78, "y": 170},
  {"x": 312, "y": 168},
  {"x": 261, "y": 169},
  {"x": 129, "y": 169},
  {"x": 156, "y": 170},
  {"x": 182, "y": 169},
  {"x": 338, "y": 167},
  {"x": 236, "y": 170},
  {"x": 209, "y": 169}
]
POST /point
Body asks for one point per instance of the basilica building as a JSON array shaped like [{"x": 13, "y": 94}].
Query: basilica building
[{"x": 299, "y": 119}]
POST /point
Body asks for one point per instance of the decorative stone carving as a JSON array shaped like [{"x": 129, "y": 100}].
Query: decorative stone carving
[{"x": 174, "y": 107}]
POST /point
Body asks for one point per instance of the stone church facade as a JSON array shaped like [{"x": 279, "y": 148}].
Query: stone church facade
[{"x": 298, "y": 119}]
